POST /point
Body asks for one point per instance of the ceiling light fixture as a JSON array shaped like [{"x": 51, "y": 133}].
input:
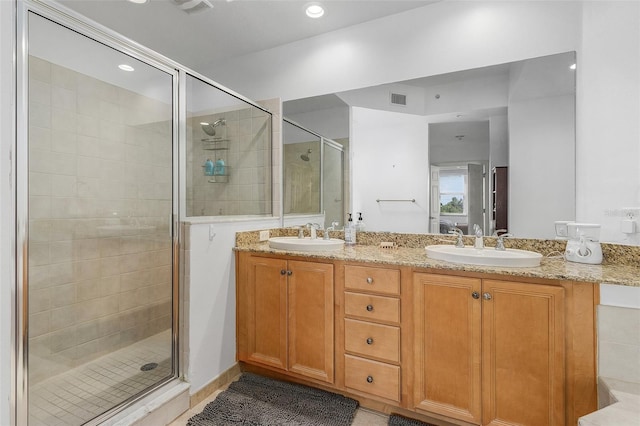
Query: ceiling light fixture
[
  {"x": 573, "y": 66},
  {"x": 138, "y": 1},
  {"x": 314, "y": 10},
  {"x": 125, "y": 67}
]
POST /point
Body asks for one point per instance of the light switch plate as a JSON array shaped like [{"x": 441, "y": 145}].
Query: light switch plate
[{"x": 264, "y": 235}]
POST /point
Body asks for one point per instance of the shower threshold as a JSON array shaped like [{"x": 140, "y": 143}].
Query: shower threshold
[{"x": 83, "y": 393}]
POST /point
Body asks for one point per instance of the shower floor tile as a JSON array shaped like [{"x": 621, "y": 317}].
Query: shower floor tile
[{"x": 85, "y": 392}]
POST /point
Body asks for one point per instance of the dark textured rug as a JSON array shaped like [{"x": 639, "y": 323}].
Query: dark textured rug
[
  {"x": 396, "y": 420},
  {"x": 259, "y": 401}
]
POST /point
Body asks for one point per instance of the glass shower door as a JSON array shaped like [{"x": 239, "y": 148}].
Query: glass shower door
[
  {"x": 333, "y": 183},
  {"x": 100, "y": 262}
]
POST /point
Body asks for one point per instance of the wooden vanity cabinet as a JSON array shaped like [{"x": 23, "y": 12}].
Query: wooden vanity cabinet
[
  {"x": 285, "y": 315},
  {"x": 371, "y": 324},
  {"x": 490, "y": 352},
  {"x": 465, "y": 347}
]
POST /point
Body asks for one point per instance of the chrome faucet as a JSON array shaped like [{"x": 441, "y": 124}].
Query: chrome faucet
[
  {"x": 313, "y": 227},
  {"x": 500, "y": 241},
  {"x": 479, "y": 244},
  {"x": 459, "y": 234},
  {"x": 326, "y": 235}
]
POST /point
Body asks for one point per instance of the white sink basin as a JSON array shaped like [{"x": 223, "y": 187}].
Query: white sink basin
[
  {"x": 487, "y": 256},
  {"x": 305, "y": 244}
]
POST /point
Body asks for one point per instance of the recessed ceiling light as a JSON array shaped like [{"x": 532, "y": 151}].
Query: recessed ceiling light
[
  {"x": 138, "y": 1},
  {"x": 573, "y": 67},
  {"x": 314, "y": 10},
  {"x": 125, "y": 67}
]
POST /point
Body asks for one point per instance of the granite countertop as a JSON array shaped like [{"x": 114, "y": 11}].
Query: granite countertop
[{"x": 552, "y": 266}]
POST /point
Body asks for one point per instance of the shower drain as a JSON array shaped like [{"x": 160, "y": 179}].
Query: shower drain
[{"x": 148, "y": 367}]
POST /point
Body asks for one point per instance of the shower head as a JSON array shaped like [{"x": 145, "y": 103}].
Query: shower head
[
  {"x": 209, "y": 128},
  {"x": 305, "y": 157}
]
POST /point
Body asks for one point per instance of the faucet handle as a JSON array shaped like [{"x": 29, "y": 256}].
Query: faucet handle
[
  {"x": 496, "y": 232},
  {"x": 459, "y": 234},
  {"x": 500, "y": 241}
]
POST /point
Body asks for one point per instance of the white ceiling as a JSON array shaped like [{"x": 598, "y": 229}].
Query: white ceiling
[{"x": 231, "y": 28}]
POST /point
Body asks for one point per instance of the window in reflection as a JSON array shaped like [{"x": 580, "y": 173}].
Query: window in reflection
[{"x": 453, "y": 189}]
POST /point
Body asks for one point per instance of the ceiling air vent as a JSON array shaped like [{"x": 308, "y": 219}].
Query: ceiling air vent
[
  {"x": 193, "y": 6},
  {"x": 398, "y": 99}
]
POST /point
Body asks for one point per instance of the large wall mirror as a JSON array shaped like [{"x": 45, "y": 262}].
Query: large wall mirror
[
  {"x": 313, "y": 171},
  {"x": 492, "y": 146}
]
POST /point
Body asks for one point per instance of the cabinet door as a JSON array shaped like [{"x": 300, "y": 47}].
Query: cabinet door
[
  {"x": 310, "y": 321},
  {"x": 447, "y": 345},
  {"x": 523, "y": 354},
  {"x": 265, "y": 318}
]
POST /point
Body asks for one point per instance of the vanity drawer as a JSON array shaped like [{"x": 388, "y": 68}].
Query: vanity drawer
[
  {"x": 375, "y": 308},
  {"x": 377, "y": 280},
  {"x": 372, "y": 377},
  {"x": 372, "y": 340}
]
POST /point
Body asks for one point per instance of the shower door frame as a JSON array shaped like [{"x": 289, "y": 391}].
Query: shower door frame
[{"x": 77, "y": 23}]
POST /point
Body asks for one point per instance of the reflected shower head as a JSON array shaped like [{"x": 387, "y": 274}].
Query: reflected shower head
[
  {"x": 209, "y": 128},
  {"x": 305, "y": 157}
]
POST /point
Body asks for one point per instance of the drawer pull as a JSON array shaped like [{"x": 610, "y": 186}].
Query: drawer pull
[
  {"x": 283, "y": 272},
  {"x": 289, "y": 273},
  {"x": 369, "y": 280},
  {"x": 369, "y": 379},
  {"x": 369, "y": 341},
  {"x": 369, "y": 308},
  {"x": 475, "y": 295}
]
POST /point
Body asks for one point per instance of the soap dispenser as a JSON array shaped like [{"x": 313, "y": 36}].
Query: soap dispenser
[
  {"x": 350, "y": 232},
  {"x": 360, "y": 224}
]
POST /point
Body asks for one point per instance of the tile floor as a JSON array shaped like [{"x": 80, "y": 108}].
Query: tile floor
[{"x": 80, "y": 394}]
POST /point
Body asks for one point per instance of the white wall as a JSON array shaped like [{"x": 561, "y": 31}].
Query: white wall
[
  {"x": 211, "y": 298},
  {"x": 453, "y": 36},
  {"x": 7, "y": 106},
  {"x": 390, "y": 161},
  {"x": 608, "y": 115},
  {"x": 435, "y": 39},
  {"x": 332, "y": 123},
  {"x": 541, "y": 155},
  {"x": 499, "y": 141}
]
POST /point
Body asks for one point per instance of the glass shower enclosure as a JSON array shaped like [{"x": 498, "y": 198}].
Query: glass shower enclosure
[{"x": 96, "y": 191}]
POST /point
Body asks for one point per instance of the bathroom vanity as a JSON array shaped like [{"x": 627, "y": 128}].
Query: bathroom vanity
[{"x": 404, "y": 333}]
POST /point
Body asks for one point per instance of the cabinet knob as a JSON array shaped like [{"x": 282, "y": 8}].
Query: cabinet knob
[
  {"x": 369, "y": 341},
  {"x": 283, "y": 272},
  {"x": 369, "y": 280},
  {"x": 475, "y": 295},
  {"x": 369, "y": 379},
  {"x": 289, "y": 273},
  {"x": 486, "y": 296},
  {"x": 369, "y": 308}
]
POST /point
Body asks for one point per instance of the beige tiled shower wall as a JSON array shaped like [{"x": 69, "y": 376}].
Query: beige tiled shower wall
[
  {"x": 100, "y": 162},
  {"x": 245, "y": 148}
]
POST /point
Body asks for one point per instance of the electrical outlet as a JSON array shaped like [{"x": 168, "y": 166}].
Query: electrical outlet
[{"x": 264, "y": 235}]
